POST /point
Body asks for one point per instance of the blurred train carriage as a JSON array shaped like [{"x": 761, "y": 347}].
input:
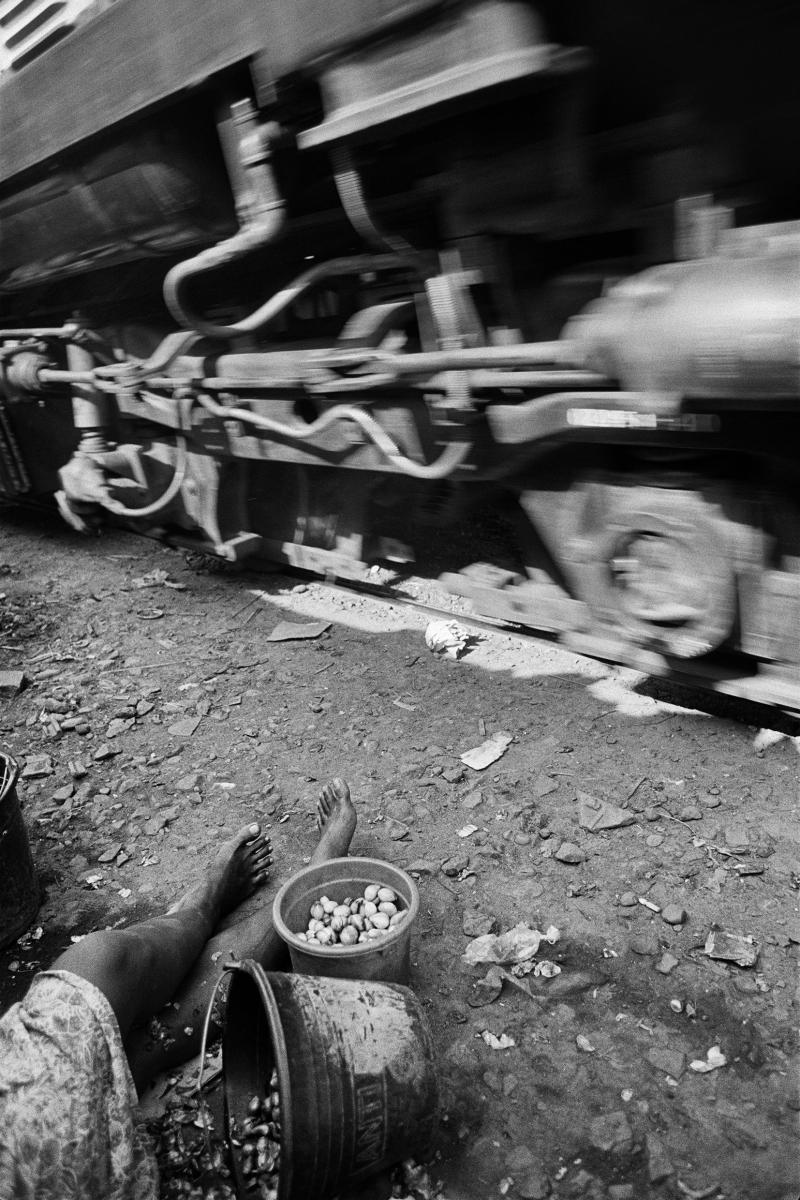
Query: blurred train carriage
[{"x": 297, "y": 279}]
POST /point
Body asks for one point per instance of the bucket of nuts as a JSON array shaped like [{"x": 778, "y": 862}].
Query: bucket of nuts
[
  {"x": 326, "y": 1081},
  {"x": 350, "y": 918}
]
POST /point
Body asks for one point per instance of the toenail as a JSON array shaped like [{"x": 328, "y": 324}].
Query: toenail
[{"x": 254, "y": 828}]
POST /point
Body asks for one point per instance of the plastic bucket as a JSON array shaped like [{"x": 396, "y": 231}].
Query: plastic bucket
[
  {"x": 19, "y": 887},
  {"x": 356, "y": 1075},
  {"x": 386, "y": 958}
]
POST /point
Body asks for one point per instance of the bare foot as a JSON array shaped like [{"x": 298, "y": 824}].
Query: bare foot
[
  {"x": 336, "y": 821},
  {"x": 240, "y": 866}
]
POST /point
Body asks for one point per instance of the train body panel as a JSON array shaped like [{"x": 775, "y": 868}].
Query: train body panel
[{"x": 298, "y": 285}]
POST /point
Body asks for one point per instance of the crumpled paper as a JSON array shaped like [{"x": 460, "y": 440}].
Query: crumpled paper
[
  {"x": 714, "y": 1058},
  {"x": 504, "y": 1042},
  {"x": 517, "y": 945},
  {"x": 447, "y": 637}
]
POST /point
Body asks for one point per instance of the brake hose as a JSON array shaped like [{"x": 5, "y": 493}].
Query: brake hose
[{"x": 451, "y": 457}]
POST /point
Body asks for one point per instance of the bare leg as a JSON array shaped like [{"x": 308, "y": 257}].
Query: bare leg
[
  {"x": 139, "y": 968},
  {"x": 252, "y": 937}
]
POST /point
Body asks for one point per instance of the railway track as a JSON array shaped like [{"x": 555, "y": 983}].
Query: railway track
[{"x": 718, "y": 685}]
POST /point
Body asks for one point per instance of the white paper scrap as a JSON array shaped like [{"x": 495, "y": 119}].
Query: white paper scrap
[
  {"x": 488, "y": 752},
  {"x": 504, "y": 1042}
]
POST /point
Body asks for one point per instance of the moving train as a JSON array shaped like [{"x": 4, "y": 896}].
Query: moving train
[{"x": 313, "y": 281}]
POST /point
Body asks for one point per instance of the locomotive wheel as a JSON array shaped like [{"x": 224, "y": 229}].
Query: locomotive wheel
[{"x": 662, "y": 571}]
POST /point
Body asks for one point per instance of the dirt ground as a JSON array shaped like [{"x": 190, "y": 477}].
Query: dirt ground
[{"x": 647, "y": 1067}]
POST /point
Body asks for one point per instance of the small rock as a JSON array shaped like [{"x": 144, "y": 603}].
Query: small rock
[
  {"x": 583, "y": 1186},
  {"x": 736, "y": 837},
  {"x": 544, "y": 786},
  {"x": 532, "y": 1184},
  {"x": 37, "y": 766},
  {"x": 667, "y": 963},
  {"x": 477, "y": 924},
  {"x": 671, "y": 1062},
  {"x": 453, "y": 774},
  {"x": 522, "y": 839},
  {"x": 628, "y": 899},
  {"x": 119, "y": 725},
  {"x": 644, "y": 943},
  {"x": 659, "y": 1166},
  {"x": 611, "y": 1133},
  {"x": 654, "y": 839},
  {"x": 188, "y": 783},
  {"x": 710, "y": 800},
  {"x": 104, "y": 752},
  {"x": 454, "y": 866},
  {"x": 673, "y": 914},
  {"x": 399, "y": 809},
  {"x": 422, "y": 866},
  {"x": 568, "y": 852},
  {"x": 473, "y": 800},
  {"x": 62, "y": 794},
  {"x": 397, "y": 830},
  {"x": 620, "y": 1191},
  {"x": 110, "y": 854},
  {"x": 12, "y": 682},
  {"x": 143, "y": 707},
  {"x": 690, "y": 812},
  {"x": 519, "y": 1158},
  {"x": 184, "y": 727},
  {"x": 154, "y": 825}
]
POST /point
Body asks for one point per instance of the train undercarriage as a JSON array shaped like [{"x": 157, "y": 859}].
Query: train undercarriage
[{"x": 443, "y": 327}]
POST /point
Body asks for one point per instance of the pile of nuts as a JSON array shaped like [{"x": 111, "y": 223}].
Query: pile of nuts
[
  {"x": 259, "y": 1143},
  {"x": 368, "y": 917}
]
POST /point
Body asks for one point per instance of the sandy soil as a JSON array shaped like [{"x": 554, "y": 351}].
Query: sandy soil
[{"x": 186, "y": 722}]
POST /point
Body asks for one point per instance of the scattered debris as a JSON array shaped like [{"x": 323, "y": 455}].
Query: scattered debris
[
  {"x": 488, "y": 752},
  {"x": 504, "y": 1042},
  {"x": 583, "y": 1043},
  {"x": 407, "y": 707},
  {"x": 595, "y": 814},
  {"x": 714, "y": 1058},
  {"x": 291, "y": 631},
  {"x": 517, "y": 945},
  {"x": 649, "y": 904},
  {"x": 467, "y": 831},
  {"x": 731, "y": 947},
  {"x": 448, "y": 638},
  {"x": 157, "y": 578}
]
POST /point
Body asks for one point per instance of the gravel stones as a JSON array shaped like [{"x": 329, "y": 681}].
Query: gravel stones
[
  {"x": 674, "y": 914},
  {"x": 644, "y": 944},
  {"x": 569, "y": 853},
  {"x": 671, "y": 1062},
  {"x": 37, "y": 766},
  {"x": 659, "y": 1166},
  {"x": 611, "y": 1133}
]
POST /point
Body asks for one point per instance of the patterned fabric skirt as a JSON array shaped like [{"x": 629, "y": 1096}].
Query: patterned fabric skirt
[{"x": 68, "y": 1118}]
